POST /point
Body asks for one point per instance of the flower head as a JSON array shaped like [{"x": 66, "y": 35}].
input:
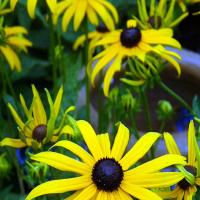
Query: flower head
[
  {"x": 31, "y": 6},
  {"x": 161, "y": 14},
  {"x": 12, "y": 40},
  {"x": 37, "y": 130},
  {"x": 93, "y": 9},
  {"x": 185, "y": 188},
  {"x": 132, "y": 42},
  {"x": 105, "y": 172}
]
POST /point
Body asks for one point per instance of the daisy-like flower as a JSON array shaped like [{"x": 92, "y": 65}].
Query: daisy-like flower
[
  {"x": 161, "y": 14},
  {"x": 93, "y": 9},
  {"x": 132, "y": 42},
  {"x": 186, "y": 188},
  {"x": 12, "y": 40},
  {"x": 37, "y": 130},
  {"x": 31, "y": 6},
  {"x": 105, "y": 173}
]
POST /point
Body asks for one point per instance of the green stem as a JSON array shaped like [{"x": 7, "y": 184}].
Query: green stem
[
  {"x": 176, "y": 96},
  {"x": 86, "y": 76},
  {"x": 52, "y": 51},
  {"x": 133, "y": 124},
  {"x": 162, "y": 126}
]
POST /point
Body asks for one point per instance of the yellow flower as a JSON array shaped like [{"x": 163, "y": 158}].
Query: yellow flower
[
  {"x": 12, "y": 39},
  {"x": 31, "y": 6},
  {"x": 186, "y": 188},
  {"x": 161, "y": 14},
  {"x": 37, "y": 130},
  {"x": 105, "y": 173},
  {"x": 93, "y": 9},
  {"x": 133, "y": 42}
]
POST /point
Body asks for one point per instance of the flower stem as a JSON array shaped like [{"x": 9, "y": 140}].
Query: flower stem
[
  {"x": 86, "y": 76},
  {"x": 175, "y": 96}
]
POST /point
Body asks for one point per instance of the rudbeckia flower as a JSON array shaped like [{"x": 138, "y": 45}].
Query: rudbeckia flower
[
  {"x": 31, "y": 6},
  {"x": 11, "y": 40},
  {"x": 185, "y": 188},
  {"x": 93, "y": 9},
  {"x": 105, "y": 172},
  {"x": 37, "y": 130},
  {"x": 161, "y": 14},
  {"x": 132, "y": 42}
]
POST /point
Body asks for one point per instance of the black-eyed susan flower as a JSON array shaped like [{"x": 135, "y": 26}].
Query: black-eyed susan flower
[
  {"x": 37, "y": 130},
  {"x": 105, "y": 172},
  {"x": 185, "y": 188},
  {"x": 12, "y": 40},
  {"x": 93, "y": 9},
  {"x": 136, "y": 43},
  {"x": 31, "y": 6},
  {"x": 161, "y": 14}
]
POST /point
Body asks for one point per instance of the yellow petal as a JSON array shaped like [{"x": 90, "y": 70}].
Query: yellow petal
[
  {"x": 191, "y": 144},
  {"x": 87, "y": 193},
  {"x": 62, "y": 162},
  {"x": 13, "y": 4},
  {"x": 171, "y": 144},
  {"x": 154, "y": 180},
  {"x": 158, "y": 164},
  {"x": 92, "y": 16},
  {"x": 77, "y": 150},
  {"x": 79, "y": 13},
  {"x": 114, "y": 67},
  {"x": 139, "y": 192},
  {"x": 172, "y": 194},
  {"x": 120, "y": 143},
  {"x": 123, "y": 195},
  {"x": 141, "y": 147},
  {"x": 15, "y": 30},
  {"x": 102, "y": 195},
  {"x": 52, "y": 5},
  {"x": 38, "y": 108},
  {"x": 57, "y": 102},
  {"x": 31, "y": 6},
  {"x": 7, "y": 52},
  {"x": 16, "y": 143},
  {"x": 104, "y": 142},
  {"x": 19, "y": 42},
  {"x": 67, "y": 130},
  {"x": 90, "y": 138},
  {"x": 16, "y": 117},
  {"x": 60, "y": 186}
]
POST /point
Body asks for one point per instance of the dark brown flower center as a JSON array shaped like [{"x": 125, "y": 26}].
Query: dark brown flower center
[
  {"x": 130, "y": 37},
  {"x": 107, "y": 174},
  {"x": 101, "y": 28},
  {"x": 39, "y": 132},
  {"x": 184, "y": 184}
]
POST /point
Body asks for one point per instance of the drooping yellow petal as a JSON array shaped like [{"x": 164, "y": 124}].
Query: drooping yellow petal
[
  {"x": 16, "y": 143},
  {"x": 154, "y": 180},
  {"x": 92, "y": 16},
  {"x": 191, "y": 144},
  {"x": 114, "y": 67},
  {"x": 61, "y": 162},
  {"x": 16, "y": 117},
  {"x": 60, "y": 186},
  {"x": 52, "y": 5},
  {"x": 141, "y": 147},
  {"x": 6, "y": 50},
  {"x": 13, "y": 4},
  {"x": 31, "y": 6},
  {"x": 158, "y": 164},
  {"x": 87, "y": 193},
  {"x": 19, "y": 42},
  {"x": 38, "y": 108},
  {"x": 171, "y": 144},
  {"x": 15, "y": 30},
  {"x": 90, "y": 138},
  {"x": 79, "y": 13},
  {"x": 77, "y": 150},
  {"x": 139, "y": 192},
  {"x": 104, "y": 142}
]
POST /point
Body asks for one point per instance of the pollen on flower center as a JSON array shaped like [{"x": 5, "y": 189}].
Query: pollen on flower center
[
  {"x": 130, "y": 37},
  {"x": 107, "y": 174},
  {"x": 40, "y": 132},
  {"x": 184, "y": 184},
  {"x": 101, "y": 28}
]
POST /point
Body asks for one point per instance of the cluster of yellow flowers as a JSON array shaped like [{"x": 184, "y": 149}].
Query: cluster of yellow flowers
[{"x": 106, "y": 171}]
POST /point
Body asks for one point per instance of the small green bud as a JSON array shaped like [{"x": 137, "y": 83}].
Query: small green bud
[
  {"x": 128, "y": 101},
  {"x": 165, "y": 110}
]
